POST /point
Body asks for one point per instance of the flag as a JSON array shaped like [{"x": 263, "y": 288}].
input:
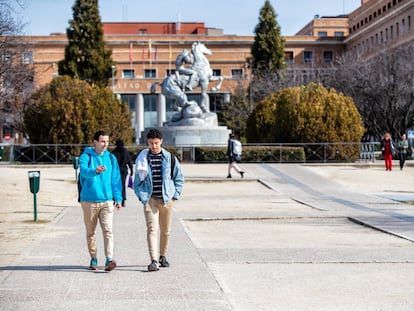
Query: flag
[
  {"x": 143, "y": 54},
  {"x": 149, "y": 50},
  {"x": 130, "y": 52},
  {"x": 156, "y": 54}
]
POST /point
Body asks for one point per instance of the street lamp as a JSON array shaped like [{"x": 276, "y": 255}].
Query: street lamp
[{"x": 113, "y": 77}]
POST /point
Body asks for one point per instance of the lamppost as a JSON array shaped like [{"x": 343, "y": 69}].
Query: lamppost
[{"x": 113, "y": 77}]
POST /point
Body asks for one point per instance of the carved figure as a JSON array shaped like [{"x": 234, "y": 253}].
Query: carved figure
[
  {"x": 185, "y": 57},
  {"x": 174, "y": 86}
]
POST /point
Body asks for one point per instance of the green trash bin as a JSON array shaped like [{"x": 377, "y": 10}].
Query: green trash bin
[
  {"x": 34, "y": 183},
  {"x": 75, "y": 162}
]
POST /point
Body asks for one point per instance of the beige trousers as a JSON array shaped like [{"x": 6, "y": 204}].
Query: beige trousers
[
  {"x": 103, "y": 211},
  {"x": 158, "y": 216}
]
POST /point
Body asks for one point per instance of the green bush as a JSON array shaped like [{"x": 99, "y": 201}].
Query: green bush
[
  {"x": 310, "y": 114},
  {"x": 70, "y": 111}
]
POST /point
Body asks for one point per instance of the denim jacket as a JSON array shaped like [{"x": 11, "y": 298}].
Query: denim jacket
[{"x": 171, "y": 188}]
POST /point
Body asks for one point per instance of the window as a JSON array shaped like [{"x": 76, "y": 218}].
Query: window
[
  {"x": 128, "y": 73},
  {"x": 150, "y": 73},
  {"x": 170, "y": 72},
  {"x": 402, "y": 26},
  {"x": 397, "y": 29},
  {"x": 391, "y": 32},
  {"x": 327, "y": 56},
  {"x": 7, "y": 56},
  {"x": 308, "y": 56},
  {"x": 142, "y": 31},
  {"x": 339, "y": 34},
  {"x": 322, "y": 34},
  {"x": 237, "y": 73},
  {"x": 216, "y": 72},
  {"x": 289, "y": 59},
  {"x": 408, "y": 23},
  {"x": 27, "y": 57}
]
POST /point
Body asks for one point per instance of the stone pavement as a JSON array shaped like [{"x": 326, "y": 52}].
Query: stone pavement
[{"x": 286, "y": 237}]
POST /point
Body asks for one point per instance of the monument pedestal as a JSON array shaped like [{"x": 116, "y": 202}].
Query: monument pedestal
[{"x": 188, "y": 136}]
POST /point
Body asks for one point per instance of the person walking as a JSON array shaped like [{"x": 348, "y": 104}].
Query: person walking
[
  {"x": 125, "y": 164},
  {"x": 387, "y": 149},
  {"x": 158, "y": 182},
  {"x": 233, "y": 156},
  {"x": 100, "y": 183},
  {"x": 402, "y": 150}
]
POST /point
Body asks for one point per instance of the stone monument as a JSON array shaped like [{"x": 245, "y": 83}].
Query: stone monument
[{"x": 193, "y": 124}]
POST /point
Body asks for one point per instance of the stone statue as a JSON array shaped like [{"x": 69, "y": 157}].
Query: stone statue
[
  {"x": 197, "y": 74},
  {"x": 185, "y": 57}
]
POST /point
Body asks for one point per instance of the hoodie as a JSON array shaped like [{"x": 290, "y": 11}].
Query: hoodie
[{"x": 103, "y": 187}]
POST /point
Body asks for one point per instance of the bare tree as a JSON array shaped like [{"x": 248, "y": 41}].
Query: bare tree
[
  {"x": 16, "y": 68},
  {"x": 382, "y": 87}
]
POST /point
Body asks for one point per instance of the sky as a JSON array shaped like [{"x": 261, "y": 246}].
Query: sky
[{"x": 235, "y": 17}]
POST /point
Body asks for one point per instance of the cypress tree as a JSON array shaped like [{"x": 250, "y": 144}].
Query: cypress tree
[
  {"x": 86, "y": 56},
  {"x": 268, "y": 47}
]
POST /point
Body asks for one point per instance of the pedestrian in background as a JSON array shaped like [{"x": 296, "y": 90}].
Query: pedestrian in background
[
  {"x": 125, "y": 164},
  {"x": 100, "y": 182},
  {"x": 402, "y": 150},
  {"x": 388, "y": 150},
  {"x": 233, "y": 156},
  {"x": 158, "y": 182}
]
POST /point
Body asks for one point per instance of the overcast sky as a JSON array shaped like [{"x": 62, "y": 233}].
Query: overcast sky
[{"x": 237, "y": 17}]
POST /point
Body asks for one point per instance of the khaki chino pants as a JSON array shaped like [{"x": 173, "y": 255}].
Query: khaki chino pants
[
  {"x": 158, "y": 216},
  {"x": 103, "y": 211}
]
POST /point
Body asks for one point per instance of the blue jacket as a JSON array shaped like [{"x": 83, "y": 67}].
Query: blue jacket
[
  {"x": 103, "y": 187},
  {"x": 171, "y": 188}
]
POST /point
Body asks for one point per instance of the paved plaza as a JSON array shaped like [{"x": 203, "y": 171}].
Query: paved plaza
[{"x": 286, "y": 237}]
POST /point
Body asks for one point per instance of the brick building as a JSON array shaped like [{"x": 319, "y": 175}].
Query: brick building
[{"x": 145, "y": 53}]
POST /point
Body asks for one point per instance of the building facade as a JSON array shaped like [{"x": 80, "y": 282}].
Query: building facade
[{"x": 145, "y": 53}]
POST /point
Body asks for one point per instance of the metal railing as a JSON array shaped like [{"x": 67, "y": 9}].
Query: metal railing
[{"x": 313, "y": 153}]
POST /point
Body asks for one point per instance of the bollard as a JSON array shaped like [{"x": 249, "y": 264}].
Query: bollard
[
  {"x": 75, "y": 162},
  {"x": 34, "y": 183}
]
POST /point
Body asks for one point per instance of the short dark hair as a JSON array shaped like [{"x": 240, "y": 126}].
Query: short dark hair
[
  {"x": 154, "y": 133},
  {"x": 119, "y": 143},
  {"x": 99, "y": 133}
]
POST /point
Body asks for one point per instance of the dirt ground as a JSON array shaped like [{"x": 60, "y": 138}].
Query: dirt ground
[{"x": 18, "y": 229}]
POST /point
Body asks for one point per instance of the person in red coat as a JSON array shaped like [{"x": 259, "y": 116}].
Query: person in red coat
[{"x": 387, "y": 149}]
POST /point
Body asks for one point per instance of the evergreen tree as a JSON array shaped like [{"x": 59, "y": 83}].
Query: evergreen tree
[
  {"x": 268, "y": 47},
  {"x": 86, "y": 56}
]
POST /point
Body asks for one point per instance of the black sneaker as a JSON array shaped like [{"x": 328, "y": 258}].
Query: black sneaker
[
  {"x": 163, "y": 262},
  {"x": 153, "y": 266}
]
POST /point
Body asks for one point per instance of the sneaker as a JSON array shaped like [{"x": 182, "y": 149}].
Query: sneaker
[
  {"x": 163, "y": 262},
  {"x": 242, "y": 174},
  {"x": 94, "y": 264},
  {"x": 153, "y": 266},
  {"x": 228, "y": 176},
  {"x": 110, "y": 264}
]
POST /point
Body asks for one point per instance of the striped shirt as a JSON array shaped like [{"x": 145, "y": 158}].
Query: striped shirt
[{"x": 155, "y": 161}]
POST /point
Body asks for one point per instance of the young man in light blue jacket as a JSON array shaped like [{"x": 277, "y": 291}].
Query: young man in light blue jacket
[
  {"x": 101, "y": 192},
  {"x": 158, "y": 182}
]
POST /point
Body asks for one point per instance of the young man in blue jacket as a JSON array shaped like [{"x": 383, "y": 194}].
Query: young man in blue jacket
[
  {"x": 158, "y": 182},
  {"x": 100, "y": 181}
]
